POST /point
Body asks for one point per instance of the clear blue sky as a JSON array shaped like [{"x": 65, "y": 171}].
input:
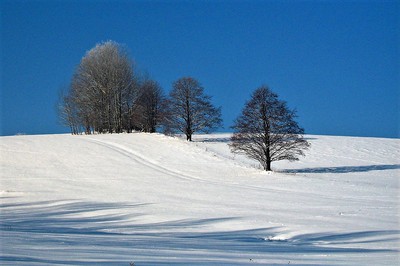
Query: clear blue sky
[{"x": 336, "y": 62}]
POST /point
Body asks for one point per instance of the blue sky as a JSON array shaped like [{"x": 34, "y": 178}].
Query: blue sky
[{"x": 336, "y": 62}]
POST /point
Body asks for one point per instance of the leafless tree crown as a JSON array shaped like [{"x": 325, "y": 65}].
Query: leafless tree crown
[
  {"x": 190, "y": 110},
  {"x": 266, "y": 130},
  {"x": 148, "y": 112}
]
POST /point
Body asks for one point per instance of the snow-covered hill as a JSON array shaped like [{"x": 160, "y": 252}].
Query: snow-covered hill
[{"x": 157, "y": 200}]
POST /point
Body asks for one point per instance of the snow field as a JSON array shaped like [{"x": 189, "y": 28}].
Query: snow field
[{"x": 158, "y": 200}]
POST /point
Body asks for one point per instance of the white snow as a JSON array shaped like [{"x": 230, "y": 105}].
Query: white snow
[{"x": 157, "y": 200}]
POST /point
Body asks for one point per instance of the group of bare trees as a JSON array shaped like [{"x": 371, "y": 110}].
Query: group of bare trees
[
  {"x": 102, "y": 92},
  {"x": 107, "y": 95}
]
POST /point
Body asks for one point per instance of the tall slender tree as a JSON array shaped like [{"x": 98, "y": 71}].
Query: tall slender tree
[
  {"x": 67, "y": 112},
  {"x": 266, "y": 130},
  {"x": 190, "y": 110}
]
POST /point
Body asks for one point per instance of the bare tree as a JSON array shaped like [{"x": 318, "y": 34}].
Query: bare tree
[
  {"x": 190, "y": 110},
  {"x": 67, "y": 112},
  {"x": 148, "y": 110},
  {"x": 103, "y": 89},
  {"x": 266, "y": 130}
]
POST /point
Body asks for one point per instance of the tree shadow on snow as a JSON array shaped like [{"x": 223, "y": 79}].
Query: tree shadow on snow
[
  {"x": 90, "y": 233},
  {"x": 213, "y": 140},
  {"x": 225, "y": 139},
  {"x": 344, "y": 169}
]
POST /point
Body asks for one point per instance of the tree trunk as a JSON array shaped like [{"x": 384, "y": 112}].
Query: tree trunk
[
  {"x": 268, "y": 167},
  {"x": 268, "y": 157},
  {"x": 120, "y": 112},
  {"x": 110, "y": 130}
]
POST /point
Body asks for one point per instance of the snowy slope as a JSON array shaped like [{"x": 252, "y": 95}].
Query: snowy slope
[{"x": 158, "y": 200}]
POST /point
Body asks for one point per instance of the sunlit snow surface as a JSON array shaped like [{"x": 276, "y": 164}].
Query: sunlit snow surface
[{"x": 158, "y": 200}]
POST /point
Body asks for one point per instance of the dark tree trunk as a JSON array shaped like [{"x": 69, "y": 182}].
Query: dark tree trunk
[
  {"x": 188, "y": 118},
  {"x": 268, "y": 167},
  {"x": 109, "y": 118},
  {"x": 88, "y": 131}
]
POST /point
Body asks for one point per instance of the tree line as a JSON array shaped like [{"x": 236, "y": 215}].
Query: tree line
[{"x": 108, "y": 95}]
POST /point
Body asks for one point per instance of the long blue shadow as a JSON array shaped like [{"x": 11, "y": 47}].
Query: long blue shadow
[
  {"x": 76, "y": 227},
  {"x": 344, "y": 169}
]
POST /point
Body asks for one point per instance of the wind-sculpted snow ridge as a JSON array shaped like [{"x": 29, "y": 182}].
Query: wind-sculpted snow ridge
[{"x": 149, "y": 199}]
